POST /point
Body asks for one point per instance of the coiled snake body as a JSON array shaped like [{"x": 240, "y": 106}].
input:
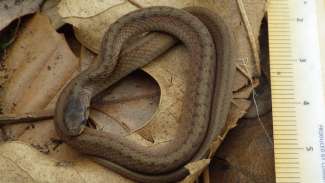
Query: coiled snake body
[{"x": 207, "y": 96}]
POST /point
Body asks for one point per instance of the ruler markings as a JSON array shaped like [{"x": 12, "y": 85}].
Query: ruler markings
[
  {"x": 281, "y": 64},
  {"x": 283, "y": 98},
  {"x": 282, "y": 56},
  {"x": 281, "y": 158},
  {"x": 285, "y": 139},
  {"x": 287, "y": 167},
  {"x": 281, "y": 68},
  {"x": 277, "y": 28},
  {"x": 277, "y": 47},
  {"x": 281, "y": 19},
  {"x": 279, "y": 73},
  {"x": 284, "y": 61},
  {"x": 284, "y": 130},
  {"x": 277, "y": 14},
  {"x": 286, "y": 125},
  {"x": 280, "y": 31},
  {"x": 280, "y": 39},
  {"x": 285, "y": 134},
  {"x": 281, "y": 7},
  {"x": 282, "y": 85},
  {"x": 286, "y": 120},
  {"x": 282, "y": 79},
  {"x": 295, "y": 90},
  {"x": 281, "y": 93},
  {"x": 280, "y": 50},
  {"x": 280, "y": 43},
  {"x": 287, "y": 163},
  {"x": 283, "y": 74}
]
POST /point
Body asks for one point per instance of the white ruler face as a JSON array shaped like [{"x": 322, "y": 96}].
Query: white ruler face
[{"x": 297, "y": 62}]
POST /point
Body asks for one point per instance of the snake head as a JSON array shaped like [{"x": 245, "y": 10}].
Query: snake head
[{"x": 76, "y": 115}]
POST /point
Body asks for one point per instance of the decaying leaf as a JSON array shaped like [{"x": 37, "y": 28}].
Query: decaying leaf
[
  {"x": 37, "y": 65},
  {"x": 123, "y": 112},
  {"x": 236, "y": 112},
  {"x": 10, "y": 10},
  {"x": 50, "y": 9},
  {"x": 195, "y": 169},
  {"x": 22, "y": 163},
  {"x": 170, "y": 71},
  {"x": 246, "y": 155},
  {"x": 85, "y": 8},
  {"x": 91, "y": 38}
]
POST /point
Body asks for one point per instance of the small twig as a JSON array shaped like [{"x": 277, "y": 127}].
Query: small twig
[
  {"x": 6, "y": 119},
  {"x": 31, "y": 117},
  {"x": 251, "y": 37},
  {"x": 134, "y": 3}
]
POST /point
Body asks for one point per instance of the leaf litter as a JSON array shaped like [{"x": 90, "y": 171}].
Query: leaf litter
[{"x": 38, "y": 69}]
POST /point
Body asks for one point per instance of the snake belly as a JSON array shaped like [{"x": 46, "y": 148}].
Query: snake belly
[{"x": 206, "y": 100}]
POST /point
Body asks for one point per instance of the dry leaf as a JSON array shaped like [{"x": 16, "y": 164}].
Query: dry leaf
[
  {"x": 85, "y": 8},
  {"x": 195, "y": 169},
  {"x": 235, "y": 113},
  {"x": 10, "y": 10},
  {"x": 246, "y": 155},
  {"x": 37, "y": 69},
  {"x": 124, "y": 115},
  {"x": 50, "y": 8},
  {"x": 170, "y": 71},
  {"x": 240, "y": 82},
  {"x": 177, "y": 4},
  {"x": 91, "y": 38},
  {"x": 123, "y": 112},
  {"x": 22, "y": 163},
  {"x": 27, "y": 60}
]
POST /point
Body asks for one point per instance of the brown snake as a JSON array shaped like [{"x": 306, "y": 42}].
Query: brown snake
[{"x": 206, "y": 101}]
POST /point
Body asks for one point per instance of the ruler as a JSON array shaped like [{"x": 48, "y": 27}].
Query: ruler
[{"x": 297, "y": 63}]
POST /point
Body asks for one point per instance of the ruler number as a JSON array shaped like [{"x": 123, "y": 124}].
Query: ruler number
[
  {"x": 302, "y": 60},
  {"x": 300, "y": 19},
  {"x": 309, "y": 148}
]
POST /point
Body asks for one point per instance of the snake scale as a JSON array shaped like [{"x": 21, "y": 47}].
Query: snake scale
[{"x": 206, "y": 102}]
